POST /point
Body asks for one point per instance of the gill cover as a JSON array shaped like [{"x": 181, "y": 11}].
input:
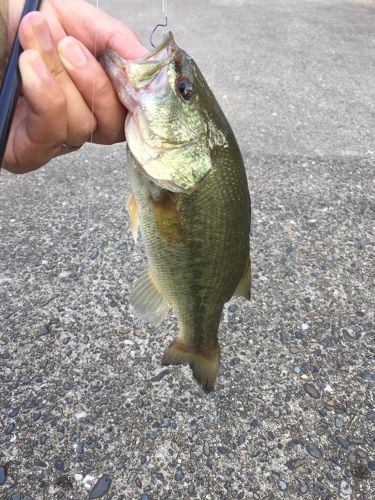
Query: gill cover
[{"x": 167, "y": 129}]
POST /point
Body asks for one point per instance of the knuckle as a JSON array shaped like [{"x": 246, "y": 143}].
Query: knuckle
[
  {"x": 58, "y": 103},
  {"x": 57, "y": 71},
  {"x": 103, "y": 87}
]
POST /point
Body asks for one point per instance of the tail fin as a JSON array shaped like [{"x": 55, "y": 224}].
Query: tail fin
[{"x": 204, "y": 362}]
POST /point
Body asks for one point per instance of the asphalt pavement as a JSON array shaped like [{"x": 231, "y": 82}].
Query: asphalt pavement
[{"x": 86, "y": 409}]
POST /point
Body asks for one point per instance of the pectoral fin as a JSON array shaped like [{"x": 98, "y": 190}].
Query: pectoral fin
[
  {"x": 147, "y": 300},
  {"x": 132, "y": 208},
  {"x": 167, "y": 217},
  {"x": 244, "y": 285}
]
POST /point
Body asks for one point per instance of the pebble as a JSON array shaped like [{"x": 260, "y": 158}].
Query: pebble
[
  {"x": 311, "y": 390},
  {"x": 345, "y": 489},
  {"x": 241, "y": 439},
  {"x": 362, "y": 453},
  {"x": 179, "y": 474},
  {"x": 160, "y": 375},
  {"x": 206, "y": 449},
  {"x": 235, "y": 361},
  {"x": 303, "y": 488},
  {"x": 9, "y": 428},
  {"x": 39, "y": 463},
  {"x": 313, "y": 450},
  {"x": 342, "y": 442},
  {"x": 232, "y": 308},
  {"x": 254, "y": 423},
  {"x": 371, "y": 465},
  {"x": 36, "y": 416},
  {"x": 222, "y": 450},
  {"x": 43, "y": 439},
  {"x": 3, "y": 475},
  {"x": 299, "y": 335},
  {"x": 339, "y": 423},
  {"x": 43, "y": 330},
  {"x": 138, "y": 482},
  {"x": 80, "y": 414},
  {"x": 73, "y": 437},
  {"x": 14, "y": 412},
  {"x": 294, "y": 463},
  {"x": 282, "y": 485},
  {"x": 191, "y": 490},
  {"x": 297, "y": 369},
  {"x": 93, "y": 255},
  {"x": 145, "y": 497},
  {"x": 101, "y": 487},
  {"x": 367, "y": 376},
  {"x": 284, "y": 338},
  {"x": 16, "y": 496},
  {"x": 59, "y": 464}
]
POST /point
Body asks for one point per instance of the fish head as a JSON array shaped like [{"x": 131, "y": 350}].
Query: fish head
[{"x": 170, "y": 126}]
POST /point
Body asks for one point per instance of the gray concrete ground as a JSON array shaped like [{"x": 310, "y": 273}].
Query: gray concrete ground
[{"x": 85, "y": 404}]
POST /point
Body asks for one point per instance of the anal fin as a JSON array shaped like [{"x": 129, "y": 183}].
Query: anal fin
[
  {"x": 244, "y": 285},
  {"x": 147, "y": 300},
  {"x": 132, "y": 208}
]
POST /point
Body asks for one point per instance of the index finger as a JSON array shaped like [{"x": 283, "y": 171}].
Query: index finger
[{"x": 96, "y": 29}]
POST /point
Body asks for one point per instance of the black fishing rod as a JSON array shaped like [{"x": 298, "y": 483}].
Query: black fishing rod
[{"x": 11, "y": 85}]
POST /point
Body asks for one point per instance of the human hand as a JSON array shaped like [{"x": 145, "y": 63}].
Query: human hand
[{"x": 66, "y": 95}]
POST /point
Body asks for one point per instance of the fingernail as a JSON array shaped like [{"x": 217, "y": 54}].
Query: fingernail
[
  {"x": 71, "y": 51},
  {"x": 35, "y": 68},
  {"x": 42, "y": 33}
]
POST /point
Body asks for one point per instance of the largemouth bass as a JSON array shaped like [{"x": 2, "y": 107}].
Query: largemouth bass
[{"x": 189, "y": 197}]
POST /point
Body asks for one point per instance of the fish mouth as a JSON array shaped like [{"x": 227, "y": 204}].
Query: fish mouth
[
  {"x": 132, "y": 79},
  {"x": 167, "y": 44}
]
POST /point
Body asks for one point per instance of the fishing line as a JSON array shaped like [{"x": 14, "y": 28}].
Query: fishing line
[
  {"x": 165, "y": 14},
  {"x": 86, "y": 258}
]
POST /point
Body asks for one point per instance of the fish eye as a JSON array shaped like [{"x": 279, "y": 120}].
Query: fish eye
[{"x": 185, "y": 88}]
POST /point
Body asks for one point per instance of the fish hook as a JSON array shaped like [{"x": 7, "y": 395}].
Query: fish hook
[{"x": 165, "y": 13}]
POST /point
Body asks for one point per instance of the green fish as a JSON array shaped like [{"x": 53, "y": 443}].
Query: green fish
[{"x": 189, "y": 198}]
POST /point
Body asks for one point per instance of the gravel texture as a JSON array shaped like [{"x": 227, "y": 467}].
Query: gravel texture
[{"x": 87, "y": 411}]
